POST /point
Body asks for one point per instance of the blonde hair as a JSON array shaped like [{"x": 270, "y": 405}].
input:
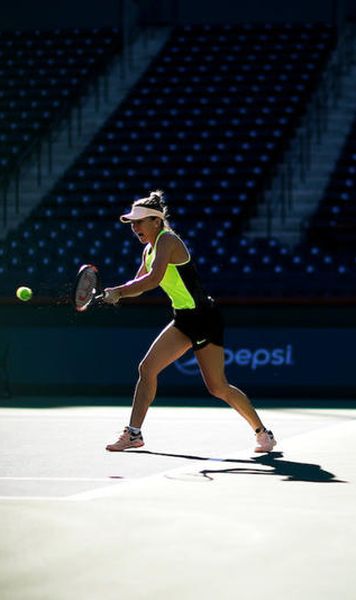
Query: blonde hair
[{"x": 155, "y": 200}]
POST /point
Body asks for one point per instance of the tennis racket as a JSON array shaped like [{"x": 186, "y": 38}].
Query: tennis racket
[{"x": 87, "y": 288}]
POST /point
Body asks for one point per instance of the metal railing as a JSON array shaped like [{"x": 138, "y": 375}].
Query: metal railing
[
  {"x": 296, "y": 162},
  {"x": 39, "y": 153}
]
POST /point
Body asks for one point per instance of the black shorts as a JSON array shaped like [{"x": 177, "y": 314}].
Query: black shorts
[{"x": 203, "y": 325}]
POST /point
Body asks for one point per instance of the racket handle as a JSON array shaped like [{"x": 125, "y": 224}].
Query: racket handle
[{"x": 100, "y": 296}]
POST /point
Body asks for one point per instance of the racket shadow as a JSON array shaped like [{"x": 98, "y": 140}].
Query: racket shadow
[{"x": 274, "y": 461}]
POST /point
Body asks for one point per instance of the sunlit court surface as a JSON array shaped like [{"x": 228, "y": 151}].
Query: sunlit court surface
[{"x": 194, "y": 513}]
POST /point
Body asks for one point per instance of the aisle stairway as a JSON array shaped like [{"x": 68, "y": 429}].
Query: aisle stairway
[
  {"x": 71, "y": 137},
  {"x": 285, "y": 218}
]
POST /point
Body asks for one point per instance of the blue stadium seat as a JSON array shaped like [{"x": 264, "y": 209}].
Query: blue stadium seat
[{"x": 230, "y": 99}]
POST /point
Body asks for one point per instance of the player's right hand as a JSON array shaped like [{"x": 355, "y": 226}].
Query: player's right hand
[{"x": 111, "y": 295}]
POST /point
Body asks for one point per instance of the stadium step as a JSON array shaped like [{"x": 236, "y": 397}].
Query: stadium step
[
  {"x": 64, "y": 151},
  {"x": 292, "y": 208}
]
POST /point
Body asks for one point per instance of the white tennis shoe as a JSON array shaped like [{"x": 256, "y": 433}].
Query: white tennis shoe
[
  {"x": 265, "y": 441},
  {"x": 126, "y": 440}
]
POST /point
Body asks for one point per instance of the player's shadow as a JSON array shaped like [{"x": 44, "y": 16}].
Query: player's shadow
[{"x": 286, "y": 469}]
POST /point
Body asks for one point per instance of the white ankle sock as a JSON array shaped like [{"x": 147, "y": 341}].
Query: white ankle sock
[{"x": 134, "y": 430}]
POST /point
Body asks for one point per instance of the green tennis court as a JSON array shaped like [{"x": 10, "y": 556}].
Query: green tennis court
[{"x": 194, "y": 513}]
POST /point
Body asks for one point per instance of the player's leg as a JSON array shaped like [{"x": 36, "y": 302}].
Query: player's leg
[
  {"x": 170, "y": 345},
  {"x": 211, "y": 363},
  {"x": 212, "y": 368}
]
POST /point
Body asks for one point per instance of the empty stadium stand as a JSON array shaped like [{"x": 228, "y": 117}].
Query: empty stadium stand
[
  {"x": 333, "y": 226},
  {"x": 208, "y": 123},
  {"x": 41, "y": 74}
]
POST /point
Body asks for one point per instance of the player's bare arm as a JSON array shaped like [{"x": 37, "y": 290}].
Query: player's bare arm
[
  {"x": 166, "y": 248},
  {"x": 142, "y": 268}
]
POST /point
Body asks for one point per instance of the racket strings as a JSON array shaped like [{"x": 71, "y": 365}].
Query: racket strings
[{"x": 87, "y": 286}]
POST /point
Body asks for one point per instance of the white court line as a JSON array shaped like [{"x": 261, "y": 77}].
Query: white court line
[
  {"x": 191, "y": 466},
  {"x": 56, "y": 478},
  {"x": 115, "y": 488},
  {"x": 50, "y": 498},
  {"x": 33, "y": 498}
]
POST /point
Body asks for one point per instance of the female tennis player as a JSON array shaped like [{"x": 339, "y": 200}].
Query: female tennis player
[{"x": 196, "y": 323}]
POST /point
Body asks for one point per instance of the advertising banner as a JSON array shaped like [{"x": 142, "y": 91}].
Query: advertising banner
[{"x": 103, "y": 356}]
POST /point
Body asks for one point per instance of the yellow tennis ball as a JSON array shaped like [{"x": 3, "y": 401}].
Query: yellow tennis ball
[{"x": 24, "y": 293}]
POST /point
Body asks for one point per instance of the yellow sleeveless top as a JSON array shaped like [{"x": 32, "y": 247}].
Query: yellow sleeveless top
[{"x": 180, "y": 282}]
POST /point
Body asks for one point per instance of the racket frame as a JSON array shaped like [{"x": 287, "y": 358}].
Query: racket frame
[{"x": 94, "y": 291}]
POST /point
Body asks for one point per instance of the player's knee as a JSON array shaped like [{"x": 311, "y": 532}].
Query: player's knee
[
  {"x": 145, "y": 370},
  {"x": 217, "y": 389}
]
